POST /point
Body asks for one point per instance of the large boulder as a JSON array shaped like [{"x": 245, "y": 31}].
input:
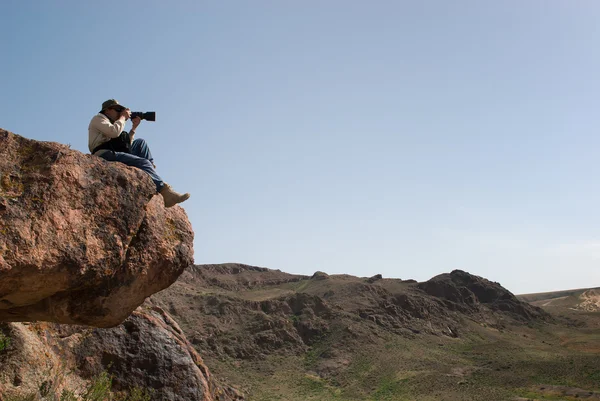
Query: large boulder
[
  {"x": 147, "y": 352},
  {"x": 82, "y": 240}
]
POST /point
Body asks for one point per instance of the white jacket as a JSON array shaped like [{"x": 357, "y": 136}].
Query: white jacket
[{"x": 102, "y": 130}]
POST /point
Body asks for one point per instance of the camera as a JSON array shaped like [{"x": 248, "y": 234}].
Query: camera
[{"x": 144, "y": 115}]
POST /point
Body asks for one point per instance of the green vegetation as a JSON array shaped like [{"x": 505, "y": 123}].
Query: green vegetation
[
  {"x": 98, "y": 390},
  {"x": 323, "y": 346},
  {"x": 137, "y": 394},
  {"x": 301, "y": 285},
  {"x": 389, "y": 389},
  {"x": 484, "y": 365},
  {"x": 4, "y": 342},
  {"x": 319, "y": 388},
  {"x": 68, "y": 396}
]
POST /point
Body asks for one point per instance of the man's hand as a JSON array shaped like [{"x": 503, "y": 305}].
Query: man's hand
[
  {"x": 135, "y": 121},
  {"x": 126, "y": 113}
]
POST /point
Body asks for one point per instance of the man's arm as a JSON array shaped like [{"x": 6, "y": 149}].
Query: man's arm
[
  {"x": 135, "y": 122},
  {"x": 107, "y": 128}
]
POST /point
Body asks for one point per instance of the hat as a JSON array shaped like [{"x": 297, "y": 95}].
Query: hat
[{"x": 111, "y": 103}]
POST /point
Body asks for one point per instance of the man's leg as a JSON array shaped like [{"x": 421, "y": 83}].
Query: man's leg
[
  {"x": 135, "y": 161},
  {"x": 140, "y": 148}
]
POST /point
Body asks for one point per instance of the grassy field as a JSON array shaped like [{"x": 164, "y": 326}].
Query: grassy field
[{"x": 532, "y": 363}]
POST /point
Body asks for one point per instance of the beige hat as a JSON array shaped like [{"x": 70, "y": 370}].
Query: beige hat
[{"x": 111, "y": 103}]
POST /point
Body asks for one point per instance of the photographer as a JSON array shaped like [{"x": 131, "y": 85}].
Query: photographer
[{"x": 108, "y": 140}]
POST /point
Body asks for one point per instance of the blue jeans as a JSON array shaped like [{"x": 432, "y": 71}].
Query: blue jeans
[{"x": 139, "y": 157}]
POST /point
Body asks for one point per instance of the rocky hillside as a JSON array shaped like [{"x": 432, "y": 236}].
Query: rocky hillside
[
  {"x": 244, "y": 311},
  {"x": 267, "y": 332}
]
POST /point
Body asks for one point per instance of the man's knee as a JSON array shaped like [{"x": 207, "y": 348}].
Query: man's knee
[
  {"x": 139, "y": 142},
  {"x": 145, "y": 164}
]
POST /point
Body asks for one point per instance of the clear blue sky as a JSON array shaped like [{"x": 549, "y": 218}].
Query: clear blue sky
[{"x": 393, "y": 137}]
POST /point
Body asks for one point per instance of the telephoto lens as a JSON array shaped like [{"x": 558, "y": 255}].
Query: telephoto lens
[{"x": 144, "y": 115}]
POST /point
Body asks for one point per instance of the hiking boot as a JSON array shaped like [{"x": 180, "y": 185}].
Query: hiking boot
[{"x": 171, "y": 197}]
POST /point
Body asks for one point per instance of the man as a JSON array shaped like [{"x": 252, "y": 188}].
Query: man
[{"x": 108, "y": 141}]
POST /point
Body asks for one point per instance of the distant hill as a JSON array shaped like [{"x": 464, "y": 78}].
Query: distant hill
[
  {"x": 583, "y": 299},
  {"x": 280, "y": 336}
]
